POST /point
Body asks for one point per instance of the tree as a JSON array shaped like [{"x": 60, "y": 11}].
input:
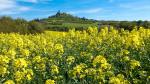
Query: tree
[
  {"x": 146, "y": 24},
  {"x": 35, "y": 27},
  {"x": 139, "y": 23}
]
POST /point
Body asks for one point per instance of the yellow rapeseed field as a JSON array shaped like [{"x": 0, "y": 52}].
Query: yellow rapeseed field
[{"x": 76, "y": 57}]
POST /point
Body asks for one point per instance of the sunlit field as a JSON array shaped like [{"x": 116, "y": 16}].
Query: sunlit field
[{"x": 76, "y": 57}]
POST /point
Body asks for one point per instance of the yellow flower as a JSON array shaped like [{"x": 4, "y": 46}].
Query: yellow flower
[
  {"x": 114, "y": 80},
  {"x": 41, "y": 66},
  {"x": 70, "y": 59},
  {"x": 3, "y": 70},
  {"x": 148, "y": 77},
  {"x": 121, "y": 77},
  {"x": 25, "y": 52},
  {"x": 91, "y": 71},
  {"x": 82, "y": 76},
  {"x": 49, "y": 81},
  {"x": 4, "y": 60},
  {"x": 105, "y": 66},
  {"x": 59, "y": 48},
  {"x": 126, "y": 52},
  {"x": 77, "y": 70},
  {"x": 126, "y": 58},
  {"x": 134, "y": 64},
  {"x": 18, "y": 76},
  {"x": 99, "y": 60},
  {"x": 37, "y": 59},
  {"x": 29, "y": 74},
  {"x": 9, "y": 82},
  {"x": 20, "y": 63},
  {"x": 54, "y": 69},
  {"x": 11, "y": 52}
]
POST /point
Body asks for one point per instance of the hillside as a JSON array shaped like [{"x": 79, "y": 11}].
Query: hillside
[
  {"x": 62, "y": 21},
  {"x": 65, "y": 17}
]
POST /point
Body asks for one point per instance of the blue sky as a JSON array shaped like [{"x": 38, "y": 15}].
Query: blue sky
[{"x": 93, "y": 9}]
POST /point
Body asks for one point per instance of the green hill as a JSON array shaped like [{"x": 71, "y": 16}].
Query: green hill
[{"x": 63, "y": 22}]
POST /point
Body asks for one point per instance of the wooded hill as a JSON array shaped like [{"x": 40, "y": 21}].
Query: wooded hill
[{"x": 64, "y": 22}]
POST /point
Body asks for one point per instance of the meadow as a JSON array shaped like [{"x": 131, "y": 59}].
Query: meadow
[{"x": 76, "y": 57}]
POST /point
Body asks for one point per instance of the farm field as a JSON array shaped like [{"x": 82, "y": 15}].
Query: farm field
[{"x": 76, "y": 57}]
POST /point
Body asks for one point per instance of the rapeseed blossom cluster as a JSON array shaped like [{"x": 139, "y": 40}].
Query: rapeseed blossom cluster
[
  {"x": 49, "y": 81},
  {"x": 134, "y": 64},
  {"x": 92, "y": 56}
]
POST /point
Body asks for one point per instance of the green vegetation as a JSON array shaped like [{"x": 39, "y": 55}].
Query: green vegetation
[
  {"x": 127, "y": 25},
  {"x": 9, "y": 25},
  {"x": 63, "y": 22}
]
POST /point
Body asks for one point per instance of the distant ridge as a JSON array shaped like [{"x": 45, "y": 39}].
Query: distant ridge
[{"x": 65, "y": 17}]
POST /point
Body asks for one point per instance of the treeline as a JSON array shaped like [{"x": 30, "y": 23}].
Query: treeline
[
  {"x": 9, "y": 25},
  {"x": 127, "y": 25}
]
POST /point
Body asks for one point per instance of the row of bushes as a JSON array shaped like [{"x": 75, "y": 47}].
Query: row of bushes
[
  {"x": 127, "y": 25},
  {"x": 9, "y": 25}
]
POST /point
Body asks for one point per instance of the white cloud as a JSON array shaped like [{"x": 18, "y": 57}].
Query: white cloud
[
  {"x": 34, "y": 1},
  {"x": 6, "y": 4},
  {"x": 11, "y": 7},
  {"x": 30, "y": 1},
  {"x": 88, "y": 11},
  {"x": 23, "y": 8}
]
